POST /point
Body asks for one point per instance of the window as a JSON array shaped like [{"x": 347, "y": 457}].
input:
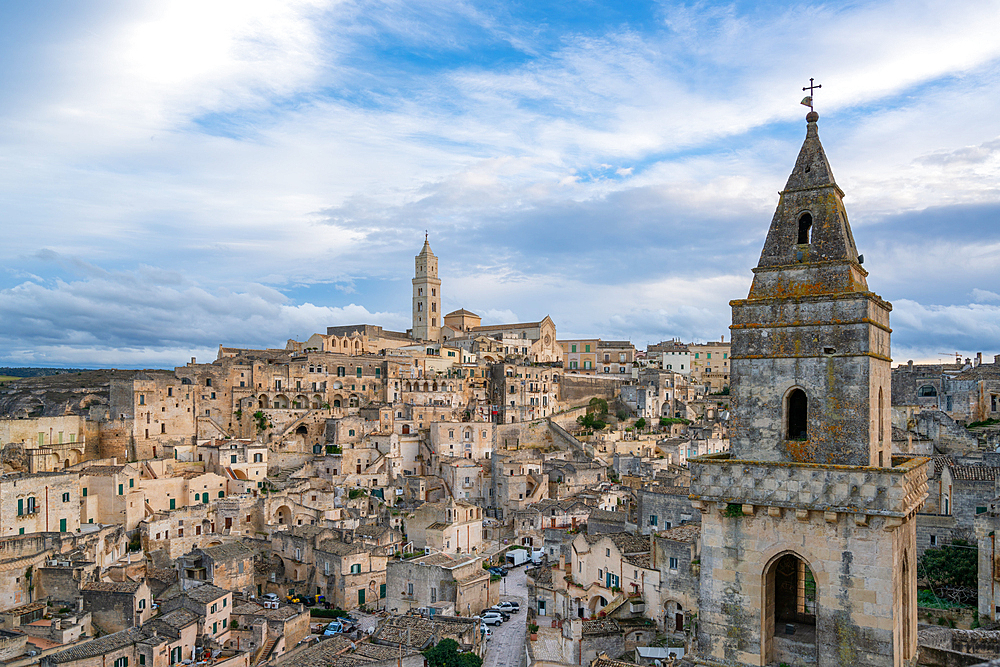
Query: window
[
  {"x": 225, "y": 622},
  {"x": 173, "y": 503},
  {"x": 142, "y": 399},
  {"x": 215, "y": 608},
  {"x": 572, "y": 348},
  {"x": 673, "y": 563},
  {"x": 434, "y": 594},
  {"x": 356, "y": 568},
  {"x": 796, "y": 408},
  {"x": 258, "y": 458},
  {"x": 933, "y": 540},
  {"x": 121, "y": 489},
  {"x": 927, "y": 390},
  {"x": 215, "y": 628},
  {"x": 65, "y": 497},
  {"x": 805, "y": 224},
  {"x": 131, "y": 483},
  {"x": 980, "y": 510},
  {"x": 232, "y": 458},
  {"x": 122, "y": 662},
  {"x": 142, "y": 604},
  {"x": 409, "y": 589},
  {"x": 142, "y": 659},
  {"x": 607, "y": 552},
  {"x": 350, "y": 432},
  {"x": 359, "y": 371},
  {"x": 222, "y": 494},
  {"x": 84, "y": 492},
  {"x": 652, "y": 519}
]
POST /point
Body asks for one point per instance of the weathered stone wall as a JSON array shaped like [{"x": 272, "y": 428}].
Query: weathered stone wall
[
  {"x": 575, "y": 389},
  {"x": 858, "y": 569}
]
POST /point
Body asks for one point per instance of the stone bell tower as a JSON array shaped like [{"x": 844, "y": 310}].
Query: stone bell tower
[
  {"x": 808, "y": 523},
  {"x": 426, "y": 295}
]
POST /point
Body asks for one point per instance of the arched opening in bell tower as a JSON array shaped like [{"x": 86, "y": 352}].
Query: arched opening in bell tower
[
  {"x": 805, "y": 228},
  {"x": 796, "y": 415},
  {"x": 789, "y": 610}
]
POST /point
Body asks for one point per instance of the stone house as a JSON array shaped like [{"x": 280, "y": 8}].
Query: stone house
[
  {"x": 117, "y": 605},
  {"x": 417, "y": 632},
  {"x": 661, "y": 507},
  {"x": 166, "y": 640},
  {"x": 676, "y": 552},
  {"x": 39, "y": 502},
  {"x": 229, "y": 566},
  {"x": 516, "y": 482},
  {"x": 211, "y": 604},
  {"x": 238, "y": 460},
  {"x": 570, "y": 478},
  {"x": 290, "y": 622},
  {"x": 466, "y": 440},
  {"x": 602, "y": 568},
  {"x": 350, "y": 574},
  {"x": 462, "y": 476},
  {"x": 452, "y": 526},
  {"x": 381, "y": 539},
  {"x": 451, "y": 584},
  {"x": 966, "y": 491},
  {"x": 603, "y": 521}
]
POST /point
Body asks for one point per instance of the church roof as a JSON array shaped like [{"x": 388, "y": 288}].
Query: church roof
[{"x": 461, "y": 311}]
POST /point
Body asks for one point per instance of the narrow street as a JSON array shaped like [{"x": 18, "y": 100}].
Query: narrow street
[{"x": 506, "y": 647}]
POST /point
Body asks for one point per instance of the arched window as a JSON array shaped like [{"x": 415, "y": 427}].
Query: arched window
[
  {"x": 927, "y": 390},
  {"x": 805, "y": 225},
  {"x": 797, "y": 410}
]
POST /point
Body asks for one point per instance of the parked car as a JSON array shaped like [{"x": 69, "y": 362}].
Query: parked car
[
  {"x": 485, "y": 630},
  {"x": 270, "y": 596},
  {"x": 505, "y": 614},
  {"x": 499, "y": 571},
  {"x": 510, "y": 606},
  {"x": 491, "y": 618},
  {"x": 334, "y": 628}
]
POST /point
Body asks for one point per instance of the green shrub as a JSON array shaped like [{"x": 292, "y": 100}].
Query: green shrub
[{"x": 327, "y": 613}]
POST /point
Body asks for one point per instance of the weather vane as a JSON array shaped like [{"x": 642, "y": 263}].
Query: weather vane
[{"x": 808, "y": 99}]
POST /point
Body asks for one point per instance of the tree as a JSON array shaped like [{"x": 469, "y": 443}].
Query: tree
[
  {"x": 598, "y": 405},
  {"x": 446, "y": 654},
  {"x": 640, "y": 423},
  {"x": 955, "y": 564}
]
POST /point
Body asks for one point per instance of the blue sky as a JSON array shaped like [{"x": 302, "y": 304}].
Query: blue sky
[{"x": 176, "y": 175}]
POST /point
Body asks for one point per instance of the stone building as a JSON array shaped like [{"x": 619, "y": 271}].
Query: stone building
[
  {"x": 452, "y": 526},
  {"x": 229, "y": 566},
  {"x": 350, "y": 574},
  {"x": 710, "y": 364},
  {"x": 112, "y": 494},
  {"x": 117, "y": 605},
  {"x": 38, "y": 503},
  {"x": 675, "y": 553},
  {"x": 661, "y": 507},
  {"x": 451, "y": 584},
  {"x": 808, "y": 530}
]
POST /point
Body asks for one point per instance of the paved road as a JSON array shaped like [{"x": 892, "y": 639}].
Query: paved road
[{"x": 506, "y": 647}]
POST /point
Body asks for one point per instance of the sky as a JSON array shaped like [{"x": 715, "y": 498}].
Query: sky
[{"x": 179, "y": 175}]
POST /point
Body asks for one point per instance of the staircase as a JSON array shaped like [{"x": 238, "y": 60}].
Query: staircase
[
  {"x": 613, "y": 606},
  {"x": 265, "y": 651},
  {"x": 280, "y": 479}
]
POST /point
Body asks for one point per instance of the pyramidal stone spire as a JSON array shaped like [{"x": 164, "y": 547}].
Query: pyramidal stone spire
[{"x": 810, "y": 231}]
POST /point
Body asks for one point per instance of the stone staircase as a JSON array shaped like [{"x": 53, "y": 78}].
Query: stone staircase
[
  {"x": 265, "y": 651},
  {"x": 281, "y": 479}
]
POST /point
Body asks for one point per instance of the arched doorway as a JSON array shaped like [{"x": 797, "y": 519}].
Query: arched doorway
[
  {"x": 796, "y": 415},
  {"x": 789, "y": 610},
  {"x": 673, "y": 616}
]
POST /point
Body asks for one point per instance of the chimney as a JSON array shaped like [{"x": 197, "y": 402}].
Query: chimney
[
  {"x": 562, "y": 561},
  {"x": 996, "y": 359},
  {"x": 979, "y": 358},
  {"x": 193, "y": 360},
  {"x": 909, "y": 364},
  {"x": 723, "y": 338}
]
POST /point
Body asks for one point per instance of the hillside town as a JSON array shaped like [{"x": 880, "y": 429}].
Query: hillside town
[{"x": 357, "y": 497}]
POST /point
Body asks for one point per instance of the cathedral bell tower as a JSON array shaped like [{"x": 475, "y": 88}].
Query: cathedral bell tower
[
  {"x": 808, "y": 523},
  {"x": 426, "y": 296}
]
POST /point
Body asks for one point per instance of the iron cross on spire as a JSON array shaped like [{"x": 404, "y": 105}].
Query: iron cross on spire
[{"x": 808, "y": 101}]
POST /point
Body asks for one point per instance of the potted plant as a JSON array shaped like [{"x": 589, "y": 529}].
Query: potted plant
[{"x": 533, "y": 631}]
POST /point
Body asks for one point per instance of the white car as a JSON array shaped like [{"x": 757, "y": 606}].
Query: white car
[
  {"x": 509, "y": 607},
  {"x": 487, "y": 633},
  {"x": 492, "y": 619}
]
